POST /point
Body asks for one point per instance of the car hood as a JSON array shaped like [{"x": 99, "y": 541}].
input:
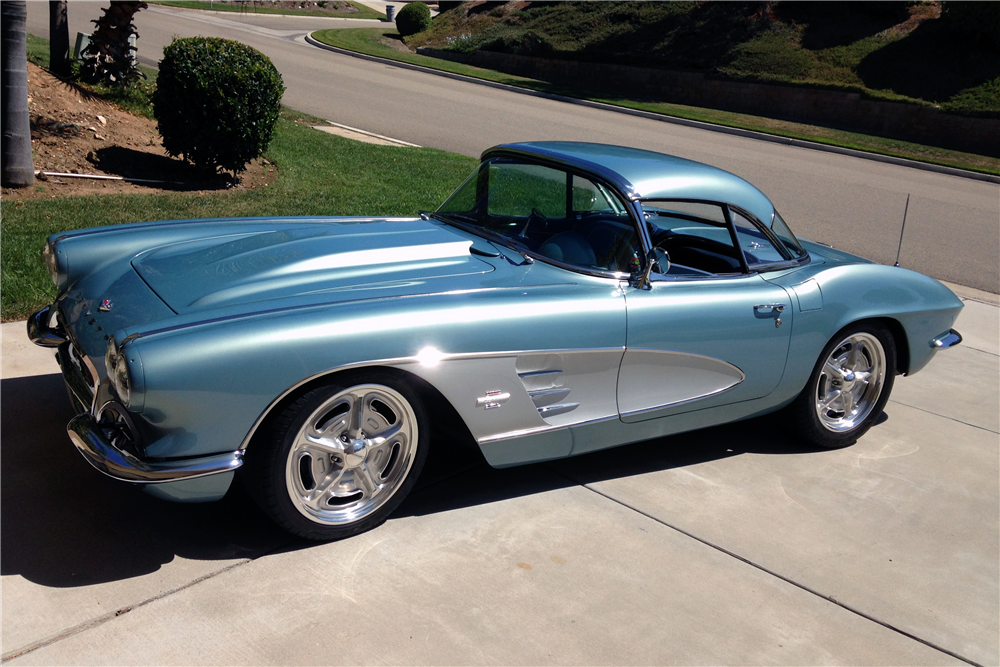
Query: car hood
[{"x": 309, "y": 260}]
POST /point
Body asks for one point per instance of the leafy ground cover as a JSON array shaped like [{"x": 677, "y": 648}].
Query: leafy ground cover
[
  {"x": 886, "y": 50},
  {"x": 333, "y": 8},
  {"x": 388, "y": 44}
]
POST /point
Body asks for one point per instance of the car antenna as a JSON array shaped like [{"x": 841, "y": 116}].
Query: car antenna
[{"x": 899, "y": 249}]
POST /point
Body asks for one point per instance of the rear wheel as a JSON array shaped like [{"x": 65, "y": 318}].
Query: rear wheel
[
  {"x": 342, "y": 457},
  {"x": 848, "y": 388}
]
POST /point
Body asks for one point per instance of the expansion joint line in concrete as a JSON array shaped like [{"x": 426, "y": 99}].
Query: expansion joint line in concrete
[
  {"x": 957, "y": 421},
  {"x": 828, "y": 598},
  {"x": 101, "y": 620}
]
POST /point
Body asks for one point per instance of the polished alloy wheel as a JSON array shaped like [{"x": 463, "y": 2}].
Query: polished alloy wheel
[
  {"x": 850, "y": 382},
  {"x": 352, "y": 454}
]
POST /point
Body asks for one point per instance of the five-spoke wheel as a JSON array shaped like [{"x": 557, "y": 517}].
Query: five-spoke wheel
[
  {"x": 848, "y": 388},
  {"x": 342, "y": 457}
]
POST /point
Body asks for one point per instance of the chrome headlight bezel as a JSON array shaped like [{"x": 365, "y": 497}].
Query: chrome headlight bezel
[
  {"x": 117, "y": 368},
  {"x": 111, "y": 357}
]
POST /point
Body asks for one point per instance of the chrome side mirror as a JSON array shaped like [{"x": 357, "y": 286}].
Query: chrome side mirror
[{"x": 658, "y": 259}]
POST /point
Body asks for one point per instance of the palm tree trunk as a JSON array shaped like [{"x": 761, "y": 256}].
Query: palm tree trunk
[
  {"x": 58, "y": 38},
  {"x": 18, "y": 171}
]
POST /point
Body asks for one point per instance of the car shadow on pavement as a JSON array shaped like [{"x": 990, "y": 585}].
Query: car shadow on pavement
[
  {"x": 467, "y": 482},
  {"x": 63, "y": 524}
]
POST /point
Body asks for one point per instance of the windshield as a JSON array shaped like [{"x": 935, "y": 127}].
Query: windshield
[{"x": 547, "y": 212}]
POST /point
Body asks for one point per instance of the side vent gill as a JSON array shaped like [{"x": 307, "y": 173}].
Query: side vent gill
[{"x": 545, "y": 387}]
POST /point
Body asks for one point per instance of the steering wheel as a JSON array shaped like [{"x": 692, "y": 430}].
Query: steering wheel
[{"x": 536, "y": 216}]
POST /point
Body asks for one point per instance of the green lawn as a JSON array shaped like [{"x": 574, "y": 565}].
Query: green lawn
[
  {"x": 319, "y": 174},
  {"x": 375, "y": 41},
  {"x": 362, "y": 12}
]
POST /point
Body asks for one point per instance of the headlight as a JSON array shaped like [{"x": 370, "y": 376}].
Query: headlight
[
  {"x": 51, "y": 262},
  {"x": 123, "y": 382},
  {"x": 111, "y": 358},
  {"x": 117, "y": 367}
]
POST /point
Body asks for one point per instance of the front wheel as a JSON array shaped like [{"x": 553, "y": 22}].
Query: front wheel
[
  {"x": 848, "y": 388},
  {"x": 342, "y": 457}
]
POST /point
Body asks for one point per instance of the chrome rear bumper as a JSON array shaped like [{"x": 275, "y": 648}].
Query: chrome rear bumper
[
  {"x": 96, "y": 447},
  {"x": 948, "y": 339}
]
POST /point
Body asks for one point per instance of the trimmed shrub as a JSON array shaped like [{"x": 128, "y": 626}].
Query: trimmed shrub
[
  {"x": 414, "y": 17},
  {"x": 216, "y": 102}
]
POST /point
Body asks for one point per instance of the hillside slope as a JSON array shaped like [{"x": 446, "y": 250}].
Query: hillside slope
[{"x": 885, "y": 50}]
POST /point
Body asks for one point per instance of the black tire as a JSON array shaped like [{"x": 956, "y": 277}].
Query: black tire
[
  {"x": 323, "y": 432},
  {"x": 818, "y": 414}
]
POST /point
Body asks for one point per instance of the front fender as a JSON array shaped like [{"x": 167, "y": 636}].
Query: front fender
[{"x": 209, "y": 384}]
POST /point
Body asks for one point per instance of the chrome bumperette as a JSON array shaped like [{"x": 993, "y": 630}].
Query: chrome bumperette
[
  {"x": 41, "y": 332},
  {"x": 950, "y": 338},
  {"x": 90, "y": 439}
]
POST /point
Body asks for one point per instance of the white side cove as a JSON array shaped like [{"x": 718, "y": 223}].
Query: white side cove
[
  {"x": 655, "y": 379},
  {"x": 503, "y": 395}
]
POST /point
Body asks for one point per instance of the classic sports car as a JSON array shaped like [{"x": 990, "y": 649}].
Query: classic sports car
[{"x": 567, "y": 298}]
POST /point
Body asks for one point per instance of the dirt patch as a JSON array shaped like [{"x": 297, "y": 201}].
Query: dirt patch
[
  {"x": 74, "y": 132},
  {"x": 396, "y": 42}
]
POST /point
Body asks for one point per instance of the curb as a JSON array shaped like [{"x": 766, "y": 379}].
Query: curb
[
  {"x": 701, "y": 125},
  {"x": 216, "y": 12}
]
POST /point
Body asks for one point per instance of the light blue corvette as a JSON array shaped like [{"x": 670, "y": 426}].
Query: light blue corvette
[{"x": 567, "y": 298}]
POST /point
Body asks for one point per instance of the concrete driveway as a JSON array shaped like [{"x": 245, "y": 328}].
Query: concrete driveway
[{"x": 733, "y": 545}]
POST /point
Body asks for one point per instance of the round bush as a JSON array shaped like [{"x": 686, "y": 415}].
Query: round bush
[
  {"x": 216, "y": 102},
  {"x": 413, "y": 18}
]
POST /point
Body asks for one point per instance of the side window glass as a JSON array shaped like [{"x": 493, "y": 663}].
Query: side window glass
[
  {"x": 695, "y": 235},
  {"x": 757, "y": 248},
  {"x": 599, "y": 233}
]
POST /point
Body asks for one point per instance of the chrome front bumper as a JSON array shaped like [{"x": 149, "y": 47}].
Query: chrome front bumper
[
  {"x": 42, "y": 333},
  {"x": 90, "y": 439}
]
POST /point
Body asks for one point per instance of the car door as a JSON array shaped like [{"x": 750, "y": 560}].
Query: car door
[{"x": 705, "y": 332}]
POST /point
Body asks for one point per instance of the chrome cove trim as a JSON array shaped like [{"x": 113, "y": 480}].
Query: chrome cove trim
[
  {"x": 91, "y": 442},
  {"x": 644, "y": 411},
  {"x": 415, "y": 359},
  {"x": 510, "y": 435},
  {"x": 553, "y": 410},
  {"x": 950, "y": 338},
  {"x": 518, "y": 434}
]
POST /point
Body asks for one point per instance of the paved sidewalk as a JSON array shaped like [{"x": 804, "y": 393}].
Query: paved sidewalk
[{"x": 733, "y": 545}]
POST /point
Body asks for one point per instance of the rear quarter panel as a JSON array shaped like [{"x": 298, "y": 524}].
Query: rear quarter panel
[{"x": 829, "y": 298}]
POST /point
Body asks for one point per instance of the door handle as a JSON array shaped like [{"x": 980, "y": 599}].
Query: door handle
[{"x": 770, "y": 307}]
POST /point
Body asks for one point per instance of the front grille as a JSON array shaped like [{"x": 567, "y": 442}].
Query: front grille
[{"x": 79, "y": 376}]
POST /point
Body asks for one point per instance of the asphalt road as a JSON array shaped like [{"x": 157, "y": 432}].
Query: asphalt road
[{"x": 952, "y": 228}]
